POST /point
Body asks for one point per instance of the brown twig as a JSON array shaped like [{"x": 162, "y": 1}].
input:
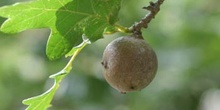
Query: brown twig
[{"x": 154, "y": 8}]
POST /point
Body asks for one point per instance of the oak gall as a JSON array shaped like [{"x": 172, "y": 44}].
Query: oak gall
[{"x": 129, "y": 63}]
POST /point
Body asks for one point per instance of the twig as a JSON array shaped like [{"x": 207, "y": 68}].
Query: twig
[{"x": 154, "y": 8}]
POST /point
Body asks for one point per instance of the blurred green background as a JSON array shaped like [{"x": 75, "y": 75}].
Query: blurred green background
[{"x": 185, "y": 36}]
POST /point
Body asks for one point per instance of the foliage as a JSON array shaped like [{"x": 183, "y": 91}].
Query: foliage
[
  {"x": 42, "y": 102},
  {"x": 68, "y": 21}
]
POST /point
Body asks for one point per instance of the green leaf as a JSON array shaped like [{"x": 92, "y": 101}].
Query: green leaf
[
  {"x": 67, "y": 19},
  {"x": 88, "y": 17},
  {"x": 36, "y": 14},
  {"x": 42, "y": 102}
]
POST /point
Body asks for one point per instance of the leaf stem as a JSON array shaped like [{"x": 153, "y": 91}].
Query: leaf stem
[
  {"x": 120, "y": 28},
  {"x": 68, "y": 66}
]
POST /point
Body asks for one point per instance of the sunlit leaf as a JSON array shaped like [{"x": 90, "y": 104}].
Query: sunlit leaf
[
  {"x": 67, "y": 19},
  {"x": 42, "y": 102}
]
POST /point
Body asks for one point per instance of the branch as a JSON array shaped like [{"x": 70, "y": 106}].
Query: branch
[{"x": 154, "y": 8}]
